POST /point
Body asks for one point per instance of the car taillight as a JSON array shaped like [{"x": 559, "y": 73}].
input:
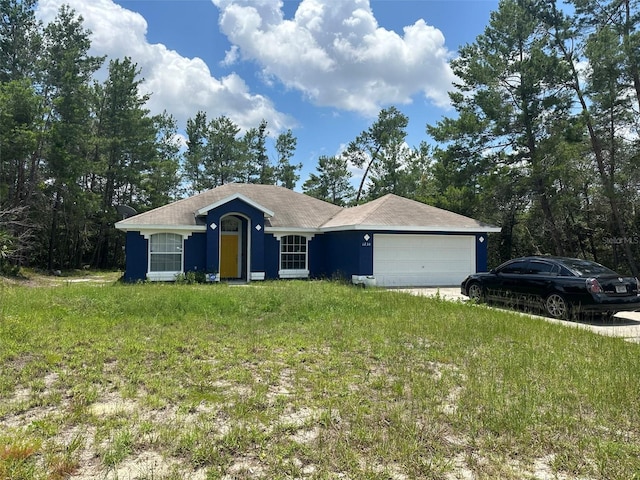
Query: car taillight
[{"x": 593, "y": 286}]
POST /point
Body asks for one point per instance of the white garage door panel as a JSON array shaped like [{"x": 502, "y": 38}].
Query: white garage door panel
[{"x": 422, "y": 260}]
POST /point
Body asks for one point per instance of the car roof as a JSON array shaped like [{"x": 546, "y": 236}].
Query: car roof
[
  {"x": 550, "y": 258},
  {"x": 575, "y": 265}
]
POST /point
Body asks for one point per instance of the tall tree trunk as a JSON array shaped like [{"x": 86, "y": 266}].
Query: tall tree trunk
[
  {"x": 549, "y": 218},
  {"x": 538, "y": 174},
  {"x": 364, "y": 179},
  {"x": 596, "y": 147},
  {"x": 366, "y": 174},
  {"x": 54, "y": 231},
  {"x": 629, "y": 49}
]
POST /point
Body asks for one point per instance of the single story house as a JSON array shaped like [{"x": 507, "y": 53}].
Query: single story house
[{"x": 246, "y": 232}]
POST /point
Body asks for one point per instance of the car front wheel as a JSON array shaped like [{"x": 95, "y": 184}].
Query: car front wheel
[
  {"x": 556, "y": 306},
  {"x": 475, "y": 292}
]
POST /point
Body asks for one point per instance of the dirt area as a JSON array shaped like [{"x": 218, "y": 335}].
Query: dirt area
[
  {"x": 623, "y": 324},
  {"x": 34, "y": 278}
]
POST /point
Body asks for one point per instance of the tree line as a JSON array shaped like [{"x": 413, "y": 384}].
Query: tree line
[
  {"x": 73, "y": 149},
  {"x": 543, "y": 141}
]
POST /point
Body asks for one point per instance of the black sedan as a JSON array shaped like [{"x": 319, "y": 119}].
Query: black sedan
[{"x": 561, "y": 286}]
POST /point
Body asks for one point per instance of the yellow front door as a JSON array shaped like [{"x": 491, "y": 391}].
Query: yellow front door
[{"x": 229, "y": 256}]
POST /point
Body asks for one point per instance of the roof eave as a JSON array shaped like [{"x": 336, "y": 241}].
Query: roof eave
[
  {"x": 395, "y": 228},
  {"x": 292, "y": 229},
  {"x": 410, "y": 228},
  {"x": 128, "y": 227}
]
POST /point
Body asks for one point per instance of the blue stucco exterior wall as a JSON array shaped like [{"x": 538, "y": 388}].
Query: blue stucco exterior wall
[
  {"x": 482, "y": 252},
  {"x": 194, "y": 253},
  {"x": 253, "y": 217},
  {"x": 136, "y": 248},
  {"x": 343, "y": 254},
  {"x": 330, "y": 255},
  {"x": 211, "y": 251},
  {"x": 271, "y": 256},
  {"x": 347, "y": 253},
  {"x": 318, "y": 257},
  {"x": 325, "y": 253}
]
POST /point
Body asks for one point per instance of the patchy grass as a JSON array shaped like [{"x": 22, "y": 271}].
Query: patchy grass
[
  {"x": 28, "y": 277},
  {"x": 309, "y": 380}
]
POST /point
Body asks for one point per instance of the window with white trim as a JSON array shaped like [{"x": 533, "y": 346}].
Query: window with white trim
[
  {"x": 165, "y": 252},
  {"x": 293, "y": 252}
]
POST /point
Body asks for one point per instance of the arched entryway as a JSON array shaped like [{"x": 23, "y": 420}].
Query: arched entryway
[{"x": 233, "y": 248}]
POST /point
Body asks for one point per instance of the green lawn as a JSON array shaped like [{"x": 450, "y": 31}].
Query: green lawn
[{"x": 306, "y": 380}]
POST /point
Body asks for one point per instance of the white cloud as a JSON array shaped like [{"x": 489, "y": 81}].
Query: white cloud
[
  {"x": 181, "y": 85},
  {"x": 231, "y": 56},
  {"x": 333, "y": 52},
  {"x": 337, "y": 55}
]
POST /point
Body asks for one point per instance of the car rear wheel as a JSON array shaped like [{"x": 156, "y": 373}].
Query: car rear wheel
[
  {"x": 556, "y": 306},
  {"x": 475, "y": 292}
]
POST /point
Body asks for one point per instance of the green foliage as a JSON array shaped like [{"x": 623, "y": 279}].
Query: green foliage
[
  {"x": 224, "y": 153},
  {"x": 194, "y": 156},
  {"x": 379, "y": 146},
  {"x": 7, "y": 251},
  {"x": 519, "y": 154},
  {"x": 190, "y": 278},
  {"x": 285, "y": 171},
  {"x": 258, "y": 168},
  {"x": 537, "y": 145},
  {"x": 218, "y": 154},
  {"x": 160, "y": 183},
  {"x": 304, "y": 377},
  {"x": 331, "y": 183},
  {"x": 97, "y": 146},
  {"x": 20, "y": 40}
]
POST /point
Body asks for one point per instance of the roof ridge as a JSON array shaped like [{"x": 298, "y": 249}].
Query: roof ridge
[
  {"x": 378, "y": 202},
  {"x": 338, "y": 212}
]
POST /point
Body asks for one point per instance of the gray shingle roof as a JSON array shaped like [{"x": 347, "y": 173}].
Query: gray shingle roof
[
  {"x": 298, "y": 211},
  {"x": 394, "y": 211},
  {"x": 291, "y": 209}
]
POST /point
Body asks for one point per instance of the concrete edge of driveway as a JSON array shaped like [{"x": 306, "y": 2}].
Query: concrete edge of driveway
[{"x": 624, "y": 324}]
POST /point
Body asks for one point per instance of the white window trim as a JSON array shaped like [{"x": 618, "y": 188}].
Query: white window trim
[
  {"x": 162, "y": 276},
  {"x": 167, "y": 276},
  {"x": 293, "y": 273},
  {"x": 257, "y": 276}
]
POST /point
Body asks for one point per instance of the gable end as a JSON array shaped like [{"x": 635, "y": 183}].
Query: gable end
[{"x": 237, "y": 196}]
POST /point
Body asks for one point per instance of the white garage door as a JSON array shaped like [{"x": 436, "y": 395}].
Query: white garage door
[{"x": 422, "y": 260}]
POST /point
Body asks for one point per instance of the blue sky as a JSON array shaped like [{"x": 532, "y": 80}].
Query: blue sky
[{"x": 322, "y": 68}]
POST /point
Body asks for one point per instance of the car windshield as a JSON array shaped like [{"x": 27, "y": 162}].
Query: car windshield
[{"x": 585, "y": 268}]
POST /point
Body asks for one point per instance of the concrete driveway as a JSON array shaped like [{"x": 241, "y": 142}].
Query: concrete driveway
[{"x": 623, "y": 324}]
